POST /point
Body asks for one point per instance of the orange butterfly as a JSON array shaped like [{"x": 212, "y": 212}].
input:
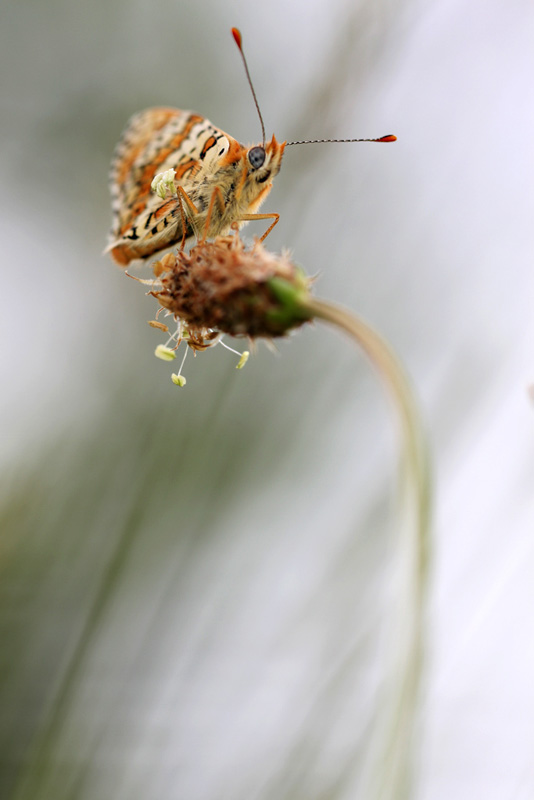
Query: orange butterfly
[
  {"x": 218, "y": 182},
  {"x": 212, "y": 169}
]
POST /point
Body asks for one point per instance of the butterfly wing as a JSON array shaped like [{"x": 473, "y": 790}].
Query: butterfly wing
[{"x": 155, "y": 140}]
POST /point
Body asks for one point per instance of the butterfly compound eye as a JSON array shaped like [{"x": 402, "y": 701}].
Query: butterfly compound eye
[{"x": 256, "y": 156}]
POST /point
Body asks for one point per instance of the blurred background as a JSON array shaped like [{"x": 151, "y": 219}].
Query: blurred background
[{"x": 196, "y": 594}]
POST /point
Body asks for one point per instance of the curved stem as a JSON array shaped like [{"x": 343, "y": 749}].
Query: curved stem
[{"x": 392, "y": 772}]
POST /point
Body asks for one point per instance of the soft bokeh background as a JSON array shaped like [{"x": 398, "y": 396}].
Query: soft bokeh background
[{"x": 196, "y": 597}]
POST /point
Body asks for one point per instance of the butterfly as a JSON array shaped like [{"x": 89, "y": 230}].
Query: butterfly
[{"x": 219, "y": 184}]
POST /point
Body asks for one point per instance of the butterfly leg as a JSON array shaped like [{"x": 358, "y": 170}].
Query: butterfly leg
[
  {"x": 183, "y": 196},
  {"x": 216, "y": 197},
  {"x": 274, "y": 216}
]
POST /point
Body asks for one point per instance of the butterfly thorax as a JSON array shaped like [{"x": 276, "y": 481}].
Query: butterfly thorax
[{"x": 240, "y": 187}]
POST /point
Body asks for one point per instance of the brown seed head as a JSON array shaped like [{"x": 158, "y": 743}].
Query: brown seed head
[{"x": 223, "y": 286}]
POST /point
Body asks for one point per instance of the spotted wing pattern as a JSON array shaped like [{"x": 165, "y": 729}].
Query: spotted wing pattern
[{"x": 156, "y": 140}]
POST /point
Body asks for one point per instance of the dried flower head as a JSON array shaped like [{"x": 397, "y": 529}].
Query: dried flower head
[{"x": 224, "y": 287}]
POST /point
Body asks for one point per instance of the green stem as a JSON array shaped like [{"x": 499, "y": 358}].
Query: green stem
[{"x": 392, "y": 772}]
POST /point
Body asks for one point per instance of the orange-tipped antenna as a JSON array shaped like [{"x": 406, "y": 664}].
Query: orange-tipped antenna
[
  {"x": 239, "y": 42},
  {"x": 388, "y": 138}
]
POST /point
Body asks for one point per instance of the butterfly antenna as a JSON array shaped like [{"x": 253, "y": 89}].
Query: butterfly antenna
[
  {"x": 239, "y": 42},
  {"x": 388, "y": 138}
]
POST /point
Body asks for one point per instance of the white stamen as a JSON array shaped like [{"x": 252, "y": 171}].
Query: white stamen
[{"x": 163, "y": 183}]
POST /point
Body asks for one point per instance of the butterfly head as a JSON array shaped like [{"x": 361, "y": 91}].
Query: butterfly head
[{"x": 263, "y": 161}]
